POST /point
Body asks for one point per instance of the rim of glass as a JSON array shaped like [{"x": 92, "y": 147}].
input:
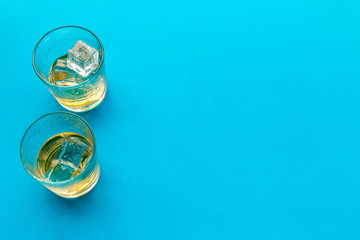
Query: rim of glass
[
  {"x": 88, "y": 163},
  {"x": 55, "y": 29}
]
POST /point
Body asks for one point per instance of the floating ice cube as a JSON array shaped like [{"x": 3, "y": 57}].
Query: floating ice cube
[
  {"x": 72, "y": 151},
  {"x": 61, "y": 171},
  {"x": 82, "y": 58},
  {"x": 69, "y": 161}
]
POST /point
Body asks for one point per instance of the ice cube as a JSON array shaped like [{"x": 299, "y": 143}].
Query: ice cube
[
  {"x": 74, "y": 152},
  {"x": 69, "y": 161},
  {"x": 61, "y": 171},
  {"x": 61, "y": 75},
  {"x": 82, "y": 58}
]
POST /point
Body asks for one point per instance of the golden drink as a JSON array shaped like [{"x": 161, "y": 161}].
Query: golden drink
[
  {"x": 78, "y": 94},
  {"x": 62, "y": 158}
]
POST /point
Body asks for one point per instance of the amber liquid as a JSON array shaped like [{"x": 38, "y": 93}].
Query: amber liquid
[
  {"x": 78, "y": 94},
  {"x": 72, "y": 185}
]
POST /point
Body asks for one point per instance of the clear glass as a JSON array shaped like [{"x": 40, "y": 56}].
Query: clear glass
[
  {"x": 55, "y": 44},
  {"x": 45, "y": 128}
]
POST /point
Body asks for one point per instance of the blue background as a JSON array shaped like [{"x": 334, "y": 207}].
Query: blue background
[{"x": 224, "y": 120}]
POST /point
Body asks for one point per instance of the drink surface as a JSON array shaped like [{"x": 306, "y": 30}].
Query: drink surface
[
  {"x": 61, "y": 75},
  {"x": 63, "y": 157}
]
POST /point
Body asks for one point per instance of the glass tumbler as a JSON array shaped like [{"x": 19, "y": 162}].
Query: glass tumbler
[
  {"x": 54, "y": 44},
  {"x": 49, "y": 129}
]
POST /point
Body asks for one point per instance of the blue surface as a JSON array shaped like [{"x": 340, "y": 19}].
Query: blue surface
[{"x": 223, "y": 120}]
